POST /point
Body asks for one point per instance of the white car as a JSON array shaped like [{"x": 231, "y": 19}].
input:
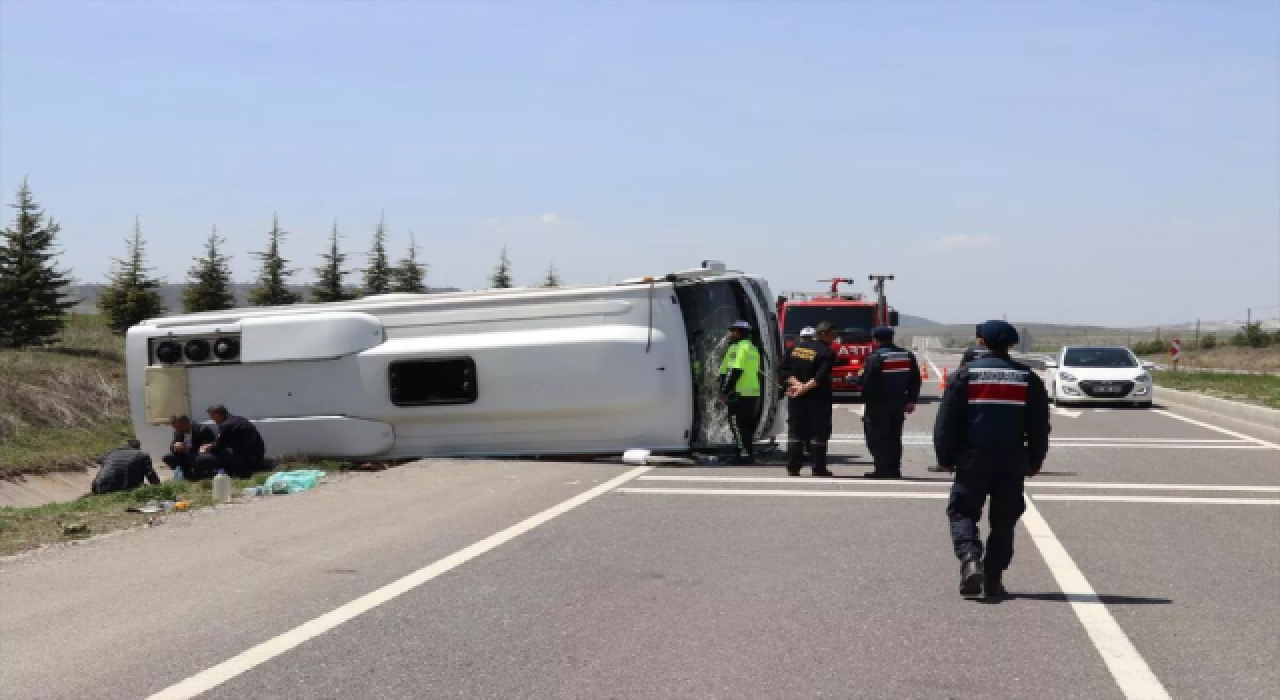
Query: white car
[{"x": 1082, "y": 374}]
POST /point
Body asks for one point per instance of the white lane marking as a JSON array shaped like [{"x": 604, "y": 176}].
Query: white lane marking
[
  {"x": 937, "y": 374},
  {"x": 1031, "y": 483},
  {"x": 1125, "y": 663},
  {"x": 809, "y": 493},
  {"x": 1060, "y": 411},
  {"x": 1224, "y": 431},
  {"x": 236, "y": 665},
  {"x": 1122, "y": 439},
  {"x": 784, "y": 492},
  {"x": 1130, "y": 445},
  {"x": 1159, "y": 499}
]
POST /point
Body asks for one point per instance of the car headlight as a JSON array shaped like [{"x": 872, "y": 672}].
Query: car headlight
[
  {"x": 1067, "y": 376},
  {"x": 1144, "y": 377}
]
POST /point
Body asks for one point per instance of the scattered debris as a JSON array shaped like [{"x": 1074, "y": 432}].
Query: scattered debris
[{"x": 75, "y": 530}]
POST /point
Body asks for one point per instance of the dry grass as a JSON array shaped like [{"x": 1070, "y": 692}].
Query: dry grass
[
  {"x": 1259, "y": 389},
  {"x": 62, "y": 406},
  {"x": 1251, "y": 359}
]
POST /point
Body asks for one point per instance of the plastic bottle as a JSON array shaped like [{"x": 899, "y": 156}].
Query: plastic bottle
[
  {"x": 177, "y": 474},
  {"x": 221, "y": 487}
]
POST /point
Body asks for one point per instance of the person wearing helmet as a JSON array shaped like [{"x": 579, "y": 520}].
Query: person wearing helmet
[
  {"x": 740, "y": 390},
  {"x": 890, "y": 387},
  {"x": 977, "y": 350},
  {"x": 992, "y": 429},
  {"x": 805, "y": 372}
]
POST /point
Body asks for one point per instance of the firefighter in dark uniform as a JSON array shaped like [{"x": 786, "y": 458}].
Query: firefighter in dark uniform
[
  {"x": 806, "y": 373},
  {"x": 993, "y": 430},
  {"x": 975, "y": 351},
  {"x": 740, "y": 390},
  {"x": 890, "y": 389}
]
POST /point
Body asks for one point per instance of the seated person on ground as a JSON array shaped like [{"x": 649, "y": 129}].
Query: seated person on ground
[
  {"x": 188, "y": 438},
  {"x": 238, "y": 449},
  {"x": 124, "y": 469}
]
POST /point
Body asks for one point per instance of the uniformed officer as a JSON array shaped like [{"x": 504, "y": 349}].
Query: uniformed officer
[
  {"x": 806, "y": 373},
  {"x": 890, "y": 388},
  {"x": 975, "y": 351},
  {"x": 740, "y": 389},
  {"x": 993, "y": 430}
]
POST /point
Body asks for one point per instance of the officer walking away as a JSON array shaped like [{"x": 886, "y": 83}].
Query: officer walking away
[
  {"x": 993, "y": 430},
  {"x": 806, "y": 373},
  {"x": 740, "y": 390},
  {"x": 124, "y": 469},
  {"x": 890, "y": 388}
]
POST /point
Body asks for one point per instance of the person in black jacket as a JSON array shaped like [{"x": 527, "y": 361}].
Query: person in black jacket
[
  {"x": 124, "y": 469},
  {"x": 977, "y": 350},
  {"x": 993, "y": 430},
  {"x": 188, "y": 438},
  {"x": 239, "y": 448},
  {"x": 806, "y": 373},
  {"x": 890, "y": 389}
]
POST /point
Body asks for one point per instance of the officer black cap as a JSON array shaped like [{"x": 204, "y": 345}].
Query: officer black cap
[
  {"x": 882, "y": 333},
  {"x": 999, "y": 334}
]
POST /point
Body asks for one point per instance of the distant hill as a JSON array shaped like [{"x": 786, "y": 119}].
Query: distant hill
[
  {"x": 906, "y": 321},
  {"x": 88, "y": 295}
]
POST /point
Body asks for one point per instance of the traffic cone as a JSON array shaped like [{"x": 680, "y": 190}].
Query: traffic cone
[{"x": 942, "y": 383}]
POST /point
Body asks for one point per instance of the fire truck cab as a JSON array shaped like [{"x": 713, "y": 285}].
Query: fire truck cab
[{"x": 852, "y": 315}]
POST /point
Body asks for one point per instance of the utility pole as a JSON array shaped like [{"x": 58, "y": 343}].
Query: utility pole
[{"x": 1197, "y": 334}]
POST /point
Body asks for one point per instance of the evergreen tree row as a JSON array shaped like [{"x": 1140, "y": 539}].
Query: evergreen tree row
[{"x": 33, "y": 289}]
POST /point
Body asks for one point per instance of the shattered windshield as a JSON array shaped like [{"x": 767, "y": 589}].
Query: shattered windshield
[{"x": 852, "y": 323}]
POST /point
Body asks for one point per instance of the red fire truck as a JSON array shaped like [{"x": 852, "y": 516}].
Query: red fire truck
[{"x": 853, "y": 317}]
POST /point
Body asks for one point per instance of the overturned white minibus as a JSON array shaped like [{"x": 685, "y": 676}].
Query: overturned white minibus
[{"x": 576, "y": 370}]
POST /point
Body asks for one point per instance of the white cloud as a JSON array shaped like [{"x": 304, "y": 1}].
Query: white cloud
[
  {"x": 528, "y": 224},
  {"x": 959, "y": 240}
]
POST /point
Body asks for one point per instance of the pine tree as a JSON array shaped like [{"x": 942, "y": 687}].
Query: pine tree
[
  {"x": 132, "y": 295},
  {"x": 272, "y": 288},
  {"x": 378, "y": 276},
  {"x": 553, "y": 277},
  {"x": 501, "y": 277},
  {"x": 209, "y": 280},
  {"x": 33, "y": 303},
  {"x": 410, "y": 275},
  {"x": 331, "y": 275}
]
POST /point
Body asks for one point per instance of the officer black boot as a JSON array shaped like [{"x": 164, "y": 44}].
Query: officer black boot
[
  {"x": 819, "y": 453},
  {"x": 994, "y": 585},
  {"x": 795, "y": 457},
  {"x": 971, "y": 578}
]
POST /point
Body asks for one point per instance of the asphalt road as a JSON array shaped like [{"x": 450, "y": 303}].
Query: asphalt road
[{"x": 1148, "y": 566}]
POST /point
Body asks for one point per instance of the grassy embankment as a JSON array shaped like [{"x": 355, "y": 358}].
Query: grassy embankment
[
  {"x": 1260, "y": 389},
  {"x": 62, "y": 406}
]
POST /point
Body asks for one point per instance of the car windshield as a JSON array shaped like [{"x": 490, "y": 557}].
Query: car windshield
[
  {"x": 852, "y": 323},
  {"x": 1098, "y": 357}
]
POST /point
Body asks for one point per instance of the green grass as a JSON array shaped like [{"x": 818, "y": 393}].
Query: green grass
[
  {"x": 64, "y": 405},
  {"x": 1259, "y": 389},
  {"x": 27, "y": 528}
]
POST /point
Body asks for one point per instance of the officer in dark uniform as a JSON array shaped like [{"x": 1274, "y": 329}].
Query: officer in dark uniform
[
  {"x": 806, "y": 373},
  {"x": 890, "y": 388},
  {"x": 975, "y": 351},
  {"x": 993, "y": 430}
]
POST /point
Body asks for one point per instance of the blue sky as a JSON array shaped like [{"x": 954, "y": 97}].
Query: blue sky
[{"x": 1090, "y": 162}]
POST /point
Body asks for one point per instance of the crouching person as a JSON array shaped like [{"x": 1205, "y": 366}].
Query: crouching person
[
  {"x": 188, "y": 439},
  {"x": 124, "y": 469},
  {"x": 238, "y": 449}
]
